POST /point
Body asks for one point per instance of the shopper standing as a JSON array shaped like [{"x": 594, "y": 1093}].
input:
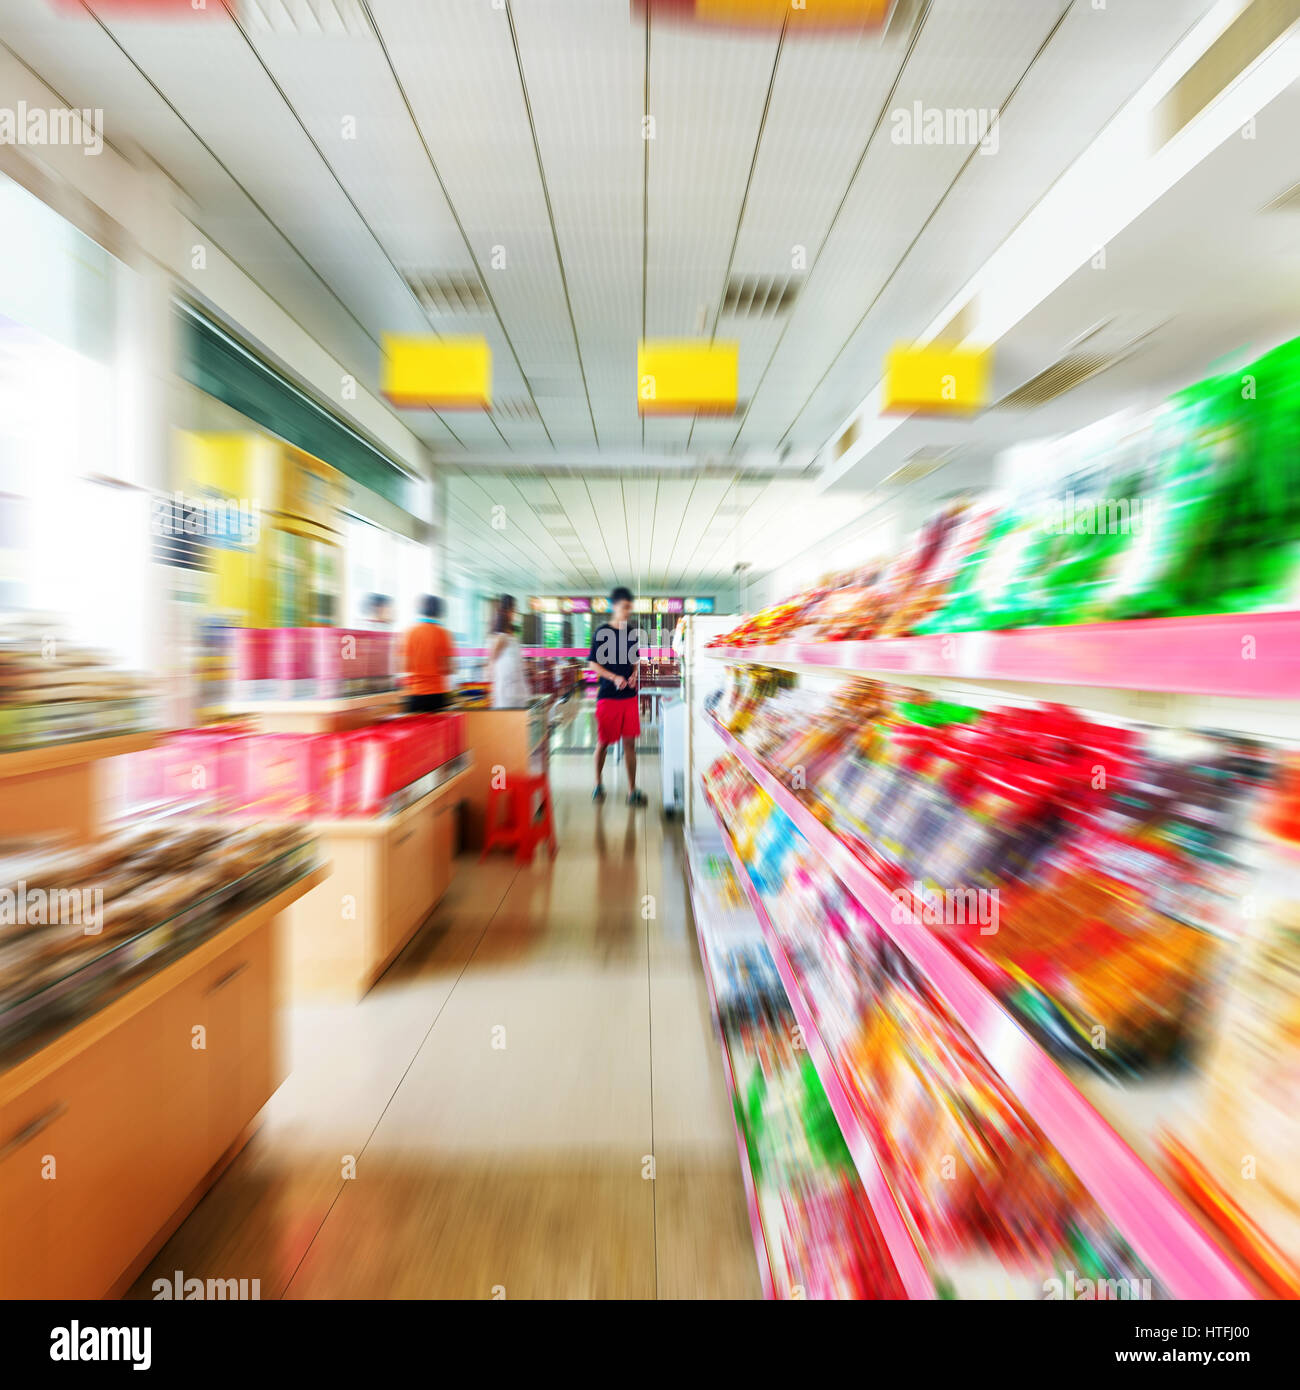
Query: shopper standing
[
  {"x": 428, "y": 658},
  {"x": 506, "y": 660},
  {"x": 615, "y": 657},
  {"x": 377, "y": 613}
]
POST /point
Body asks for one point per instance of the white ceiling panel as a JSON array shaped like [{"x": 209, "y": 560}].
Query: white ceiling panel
[{"x": 505, "y": 143}]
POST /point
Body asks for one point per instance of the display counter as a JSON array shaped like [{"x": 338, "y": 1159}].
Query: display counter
[
  {"x": 390, "y": 872},
  {"x": 510, "y": 741},
  {"x": 316, "y": 716},
  {"x": 58, "y": 787},
  {"x": 113, "y": 1126}
]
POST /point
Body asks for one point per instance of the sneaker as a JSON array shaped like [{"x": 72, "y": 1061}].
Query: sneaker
[
  {"x": 636, "y": 798},
  {"x": 598, "y": 794}
]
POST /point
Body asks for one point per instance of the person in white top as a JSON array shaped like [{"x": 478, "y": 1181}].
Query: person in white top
[{"x": 506, "y": 660}]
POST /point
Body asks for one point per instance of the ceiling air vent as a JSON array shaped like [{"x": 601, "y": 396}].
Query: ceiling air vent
[
  {"x": 305, "y": 16},
  {"x": 454, "y": 293},
  {"x": 516, "y": 408},
  {"x": 917, "y": 466},
  {"x": 1079, "y": 364},
  {"x": 1071, "y": 371},
  {"x": 759, "y": 296}
]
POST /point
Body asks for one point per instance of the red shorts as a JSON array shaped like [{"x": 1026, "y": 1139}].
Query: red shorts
[{"x": 616, "y": 719}]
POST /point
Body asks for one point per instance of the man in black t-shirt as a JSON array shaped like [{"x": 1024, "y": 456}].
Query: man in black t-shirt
[{"x": 615, "y": 657}]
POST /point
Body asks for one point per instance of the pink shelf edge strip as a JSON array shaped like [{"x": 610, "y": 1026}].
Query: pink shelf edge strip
[
  {"x": 907, "y": 1258},
  {"x": 1252, "y": 656},
  {"x": 746, "y": 1172},
  {"x": 1148, "y": 1216}
]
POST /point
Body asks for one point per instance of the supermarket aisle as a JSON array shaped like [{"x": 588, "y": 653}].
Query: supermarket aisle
[{"x": 483, "y": 1123}]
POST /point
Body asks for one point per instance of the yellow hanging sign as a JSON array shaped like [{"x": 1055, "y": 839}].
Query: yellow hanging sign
[
  {"x": 687, "y": 377},
  {"x": 421, "y": 371},
  {"x": 937, "y": 379}
]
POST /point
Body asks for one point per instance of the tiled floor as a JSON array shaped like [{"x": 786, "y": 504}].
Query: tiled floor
[{"x": 528, "y": 1105}]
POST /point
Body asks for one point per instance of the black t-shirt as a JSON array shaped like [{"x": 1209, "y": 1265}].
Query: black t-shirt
[{"x": 617, "y": 649}]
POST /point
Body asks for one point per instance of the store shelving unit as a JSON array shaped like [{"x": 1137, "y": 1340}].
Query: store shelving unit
[
  {"x": 1235, "y": 655},
  {"x": 54, "y": 787},
  {"x": 902, "y": 1247},
  {"x": 394, "y": 869},
  {"x": 698, "y": 911},
  {"x": 48, "y": 757},
  {"x": 143, "y": 1121},
  {"x": 1163, "y": 1233}
]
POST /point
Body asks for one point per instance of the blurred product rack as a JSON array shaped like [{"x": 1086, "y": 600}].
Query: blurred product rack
[
  {"x": 706, "y": 910},
  {"x": 1152, "y": 1219}
]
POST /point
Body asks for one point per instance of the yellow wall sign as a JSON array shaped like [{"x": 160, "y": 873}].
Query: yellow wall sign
[
  {"x": 937, "y": 379},
  {"x": 686, "y": 377},
  {"x": 437, "y": 373}
]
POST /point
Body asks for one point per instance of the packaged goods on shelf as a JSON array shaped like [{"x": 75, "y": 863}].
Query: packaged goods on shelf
[
  {"x": 992, "y": 1205},
  {"x": 1246, "y": 1132},
  {"x": 820, "y": 1234},
  {"x": 1091, "y": 874},
  {"x": 76, "y": 921},
  {"x": 366, "y": 771},
  {"x": 52, "y": 691},
  {"x": 312, "y": 663},
  {"x": 1191, "y": 511}
]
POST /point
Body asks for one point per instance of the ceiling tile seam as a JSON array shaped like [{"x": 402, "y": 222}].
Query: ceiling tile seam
[
  {"x": 934, "y": 212},
  {"x": 721, "y": 498},
  {"x": 567, "y": 564},
  {"x": 262, "y": 212},
  {"x": 550, "y": 216},
  {"x": 486, "y": 558},
  {"x": 686, "y": 506},
  {"x": 523, "y": 535},
  {"x": 686, "y": 567},
  {"x": 740, "y": 520},
  {"x": 528, "y": 563},
  {"x": 571, "y": 519},
  {"x": 609, "y": 559},
  {"x": 331, "y": 170},
  {"x": 744, "y": 201},
  {"x": 451, "y": 207},
  {"x": 654, "y": 515},
  {"x": 835, "y": 216},
  {"x": 333, "y": 173}
]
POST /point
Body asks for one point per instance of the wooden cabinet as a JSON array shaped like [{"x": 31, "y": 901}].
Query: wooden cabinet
[
  {"x": 389, "y": 874},
  {"x": 444, "y": 845},
  {"x": 112, "y": 1128},
  {"x": 409, "y": 875}
]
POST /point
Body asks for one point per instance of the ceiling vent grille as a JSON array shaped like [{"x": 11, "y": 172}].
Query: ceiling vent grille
[
  {"x": 759, "y": 296},
  {"x": 305, "y": 16},
  {"x": 516, "y": 408},
  {"x": 920, "y": 465},
  {"x": 1072, "y": 370},
  {"x": 454, "y": 293}
]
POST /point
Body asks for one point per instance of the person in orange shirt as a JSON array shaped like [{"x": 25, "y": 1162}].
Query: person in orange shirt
[{"x": 428, "y": 657}]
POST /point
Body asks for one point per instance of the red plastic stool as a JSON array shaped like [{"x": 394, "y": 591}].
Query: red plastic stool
[
  {"x": 537, "y": 823},
  {"x": 497, "y": 832},
  {"x": 527, "y": 825}
]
